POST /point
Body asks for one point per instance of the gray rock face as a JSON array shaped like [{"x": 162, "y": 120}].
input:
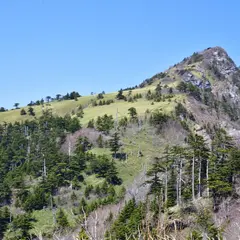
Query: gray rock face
[
  {"x": 201, "y": 83},
  {"x": 218, "y": 58}
]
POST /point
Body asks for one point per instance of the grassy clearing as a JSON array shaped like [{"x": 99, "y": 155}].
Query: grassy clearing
[
  {"x": 133, "y": 141},
  {"x": 45, "y": 221},
  {"x": 94, "y": 180},
  {"x": 134, "y": 164},
  {"x": 142, "y": 140}
]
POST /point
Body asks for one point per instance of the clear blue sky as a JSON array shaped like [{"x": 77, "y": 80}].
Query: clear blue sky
[{"x": 56, "y": 46}]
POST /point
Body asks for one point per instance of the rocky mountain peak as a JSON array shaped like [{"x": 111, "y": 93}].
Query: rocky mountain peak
[
  {"x": 211, "y": 68},
  {"x": 206, "y": 68},
  {"x": 218, "y": 58}
]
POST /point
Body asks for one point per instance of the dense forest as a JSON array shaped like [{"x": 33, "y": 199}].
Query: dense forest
[{"x": 33, "y": 149}]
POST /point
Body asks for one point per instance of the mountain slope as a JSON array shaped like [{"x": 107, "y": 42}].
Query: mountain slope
[{"x": 140, "y": 145}]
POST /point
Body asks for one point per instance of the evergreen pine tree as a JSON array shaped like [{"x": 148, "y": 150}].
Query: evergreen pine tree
[
  {"x": 111, "y": 175},
  {"x": 120, "y": 95},
  {"x": 4, "y": 220},
  {"x": 100, "y": 141},
  {"x": 91, "y": 124},
  {"x": 114, "y": 143},
  {"x": 62, "y": 220},
  {"x": 133, "y": 113},
  {"x": 155, "y": 182},
  {"x": 199, "y": 160},
  {"x": 220, "y": 166}
]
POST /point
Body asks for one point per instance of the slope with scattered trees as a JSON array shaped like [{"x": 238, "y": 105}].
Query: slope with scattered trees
[{"x": 154, "y": 162}]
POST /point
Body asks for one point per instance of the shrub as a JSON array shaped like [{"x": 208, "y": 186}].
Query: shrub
[{"x": 23, "y": 112}]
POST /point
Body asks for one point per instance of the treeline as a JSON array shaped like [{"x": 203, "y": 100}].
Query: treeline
[{"x": 69, "y": 96}]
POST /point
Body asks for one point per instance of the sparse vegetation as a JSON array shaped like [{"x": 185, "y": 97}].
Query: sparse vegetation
[{"x": 196, "y": 57}]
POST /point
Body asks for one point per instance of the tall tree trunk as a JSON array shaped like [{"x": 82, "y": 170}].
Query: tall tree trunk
[
  {"x": 53, "y": 213},
  {"x": 177, "y": 185},
  {"x": 69, "y": 149},
  {"x": 44, "y": 167},
  {"x": 28, "y": 150},
  {"x": 180, "y": 182},
  {"x": 166, "y": 185},
  {"x": 193, "y": 178},
  {"x": 199, "y": 178},
  {"x": 207, "y": 177}
]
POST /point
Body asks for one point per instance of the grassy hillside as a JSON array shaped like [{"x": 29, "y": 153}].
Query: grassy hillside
[{"x": 68, "y": 106}]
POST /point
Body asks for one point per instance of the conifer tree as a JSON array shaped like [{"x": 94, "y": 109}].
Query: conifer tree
[
  {"x": 120, "y": 95},
  {"x": 62, "y": 220},
  {"x": 155, "y": 182},
  {"x": 220, "y": 169},
  {"x": 111, "y": 175},
  {"x": 200, "y": 153},
  {"x": 100, "y": 141},
  {"x": 4, "y": 220},
  {"x": 114, "y": 143},
  {"x": 22, "y": 224},
  {"x": 31, "y": 111},
  {"x": 91, "y": 124},
  {"x": 23, "y": 112},
  {"x": 133, "y": 113},
  {"x": 177, "y": 154}
]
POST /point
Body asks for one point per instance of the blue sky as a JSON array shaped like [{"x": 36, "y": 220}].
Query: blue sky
[{"x": 57, "y": 46}]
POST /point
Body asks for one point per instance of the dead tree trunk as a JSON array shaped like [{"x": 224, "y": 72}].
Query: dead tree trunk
[
  {"x": 199, "y": 178},
  {"x": 207, "y": 177},
  {"x": 69, "y": 149},
  {"x": 180, "y": 182},
  {"x": 166, "y": 185},
  {"x": 193, "y": 178},
  {"x": 44, "y": 167}
]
